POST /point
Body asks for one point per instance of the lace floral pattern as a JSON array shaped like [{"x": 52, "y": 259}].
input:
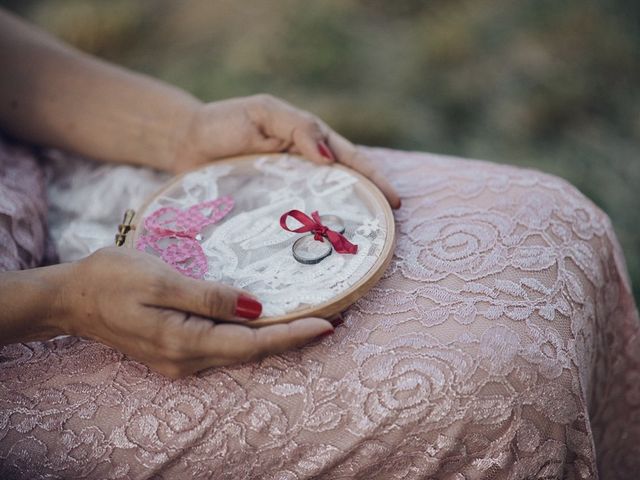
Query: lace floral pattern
[{"x": 502, "y": 343}]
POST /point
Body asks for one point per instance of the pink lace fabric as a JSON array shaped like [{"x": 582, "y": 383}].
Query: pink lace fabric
[
  {"x": 502, "y": 343},
  {"x": 23, "y": 209},
  {"x": 178, "y": 230}
]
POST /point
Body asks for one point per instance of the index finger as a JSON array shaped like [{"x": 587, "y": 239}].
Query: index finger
[
  {"x": 226, "y": 344},
  {"x": 348, "y": 154}
]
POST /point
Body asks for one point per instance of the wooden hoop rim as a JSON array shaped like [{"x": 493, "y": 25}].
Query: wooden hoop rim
[{"x": 337, "y": 304}]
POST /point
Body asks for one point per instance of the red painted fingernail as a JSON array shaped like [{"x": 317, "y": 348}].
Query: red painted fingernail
[
  {"x": 325, "y": 152},
  {"x": 323, "y": 335},
  {"x": 247, "y": 307}
]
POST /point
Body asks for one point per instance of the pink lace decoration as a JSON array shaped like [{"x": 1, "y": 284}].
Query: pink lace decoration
[{"x": 171, "y": 233}]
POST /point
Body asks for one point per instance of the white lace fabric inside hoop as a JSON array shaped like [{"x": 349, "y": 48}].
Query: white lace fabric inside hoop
[{"x": 248, "y": 249}]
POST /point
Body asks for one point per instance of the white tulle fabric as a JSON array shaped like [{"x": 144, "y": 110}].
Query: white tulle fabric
[
  {"x": 249, "y": 249},
  {"x": 502, "y": 343}
]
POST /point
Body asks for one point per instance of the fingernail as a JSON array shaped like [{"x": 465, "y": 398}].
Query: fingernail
[
  {"x": 247, "y": 307},
  {"x": 325, "y": 151},
  {"x": 323, "y": 335}
]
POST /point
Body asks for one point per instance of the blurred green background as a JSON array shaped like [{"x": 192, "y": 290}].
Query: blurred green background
[{"x": 548, "y": 84}]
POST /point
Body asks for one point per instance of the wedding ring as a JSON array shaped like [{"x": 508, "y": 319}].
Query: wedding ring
[
  {"x": 309, "y": 251},
  {"x": 333, "y": 222}
]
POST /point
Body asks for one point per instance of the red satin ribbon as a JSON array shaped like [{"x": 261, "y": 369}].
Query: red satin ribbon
[{"x": 339, "y": 242}]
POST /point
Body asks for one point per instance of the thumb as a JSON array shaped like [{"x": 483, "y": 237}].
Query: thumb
[{"x": 207, "y": 299}]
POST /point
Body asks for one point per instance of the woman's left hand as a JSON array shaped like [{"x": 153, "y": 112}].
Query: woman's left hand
[{"x": 262, "y": 124}]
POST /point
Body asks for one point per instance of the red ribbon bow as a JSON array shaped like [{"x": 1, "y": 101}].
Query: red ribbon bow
[{"x": 339, "y": 242}]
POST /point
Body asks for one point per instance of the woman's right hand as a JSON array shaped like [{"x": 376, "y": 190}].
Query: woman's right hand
[
  {"x": 140, "y": 306},
  {"x": 263, "y": 124}
]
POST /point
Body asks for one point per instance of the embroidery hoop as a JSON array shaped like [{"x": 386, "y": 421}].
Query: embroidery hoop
[{"x": 366, "y": 191}]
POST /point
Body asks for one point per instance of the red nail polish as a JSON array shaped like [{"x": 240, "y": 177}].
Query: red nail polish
[
  {"x": 323, "y": 335},
  {"x": 247, "y": 307},
  {"x": 325, "y": 152}
]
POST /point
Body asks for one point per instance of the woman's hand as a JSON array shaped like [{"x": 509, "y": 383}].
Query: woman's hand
[
  {"x": 262, "y": 124},
  {"x": 137, "y": 304},
  {"x": 140, "y": 306}
]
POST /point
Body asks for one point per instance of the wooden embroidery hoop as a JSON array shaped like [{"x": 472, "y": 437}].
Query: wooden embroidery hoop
[{"x": 371, "y": 196}]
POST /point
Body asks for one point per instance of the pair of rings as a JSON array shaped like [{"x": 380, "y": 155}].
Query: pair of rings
[{"x": 309, "y": 251}]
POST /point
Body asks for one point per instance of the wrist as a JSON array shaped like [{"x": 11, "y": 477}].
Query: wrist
[
  {"x": 182, "y": 124},
  {"x": 57, "y": 290},
  {"x": 187, "y": 152},
  {"x": 32, "y": 305}
]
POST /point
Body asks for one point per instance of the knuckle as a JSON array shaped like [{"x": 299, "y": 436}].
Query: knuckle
[
  {"x": 309, "y": 123},
  {"x": 363, "y": 164},
  {"x": 356, "y": 156},
  {"x": 158, "y": 287},
  {"x": 215, "y": 303},
  {"x": 251, "y": 349},
  {"x": 271, "y": 339},
  {"x": 265, "y": 99}
]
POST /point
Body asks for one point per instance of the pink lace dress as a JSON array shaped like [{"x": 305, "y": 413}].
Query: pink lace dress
[
  {"x": 502, "y": 343},
  {"x": 23, "y": 209}
]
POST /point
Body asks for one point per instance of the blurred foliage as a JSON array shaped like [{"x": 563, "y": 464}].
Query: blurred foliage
[{"x": 539, "y": 83}]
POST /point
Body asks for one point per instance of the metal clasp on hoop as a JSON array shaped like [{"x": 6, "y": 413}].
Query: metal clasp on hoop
[{"x": 125, "y": 227}]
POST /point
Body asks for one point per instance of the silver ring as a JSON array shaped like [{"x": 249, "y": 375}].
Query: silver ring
[{"x": 309, "y": 251}]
